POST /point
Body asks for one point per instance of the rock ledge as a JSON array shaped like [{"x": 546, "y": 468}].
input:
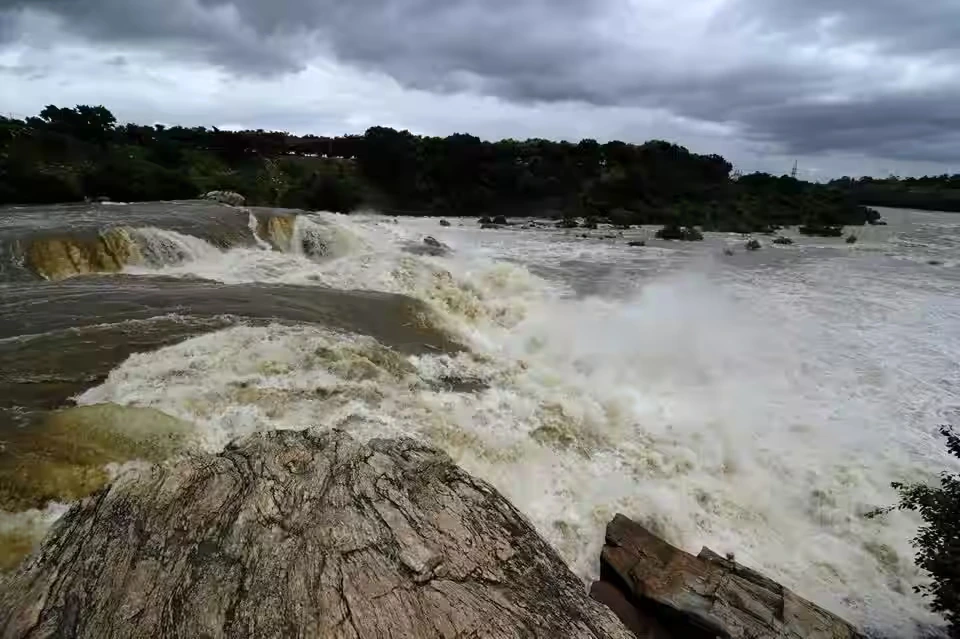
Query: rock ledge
[{"x": 299, "y": 534}]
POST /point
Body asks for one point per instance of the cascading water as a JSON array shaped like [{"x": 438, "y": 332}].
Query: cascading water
[
  {"x": 760, "y": 405},
  {"x": 161, "y": 247}
]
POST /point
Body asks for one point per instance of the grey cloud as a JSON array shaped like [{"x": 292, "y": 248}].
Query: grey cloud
[
  {"x": 740, "y": 70},
  {"x": 902, "y": 26},
  {"x": 920, "y": 126}
]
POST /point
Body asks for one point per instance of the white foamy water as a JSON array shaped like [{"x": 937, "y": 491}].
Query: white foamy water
[
  {"x": 160, "y": 247},
  {"x": 759, "y": 404}
]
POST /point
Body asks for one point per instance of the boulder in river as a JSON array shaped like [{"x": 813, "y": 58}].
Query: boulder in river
[
  {"x": 429, "y": 246},
  {"x": 299, "y": 534},
  {"x": 444, "y": 223},
  {"x": 782, "y": 240},
  {"x": 226, "y": 197},
  {"x": 500, "y": 219},
  {"x": 661, "y": 591},
  {"x": 753, "y": 245}
]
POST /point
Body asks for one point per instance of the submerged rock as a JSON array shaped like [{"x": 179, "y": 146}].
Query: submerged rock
[
  {"x": 226, "y": 197},
  {"x": 780, "y": 239},
  {"x": 300, "y": 534},
  {"x": 429, "y": 246},
  {"x": 753, "y": 245},
  {"x": 444, "y": 223},
  {"x": 661, "y": 591},
  {"x": 821, "y": 230},
  {"x": 63, "y": 454},
  {"x": 851, "y": 239},
  {"x": 683, "y": 233},
  {"x": 637, "y": 243}
]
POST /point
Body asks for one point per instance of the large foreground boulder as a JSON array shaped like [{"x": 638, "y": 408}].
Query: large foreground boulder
[
  {"x": 662, "y": 592},
  {"x": 299, "y": 534}
]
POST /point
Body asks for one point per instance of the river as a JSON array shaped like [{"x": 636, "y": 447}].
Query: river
[{"x": 760, "y": 403}]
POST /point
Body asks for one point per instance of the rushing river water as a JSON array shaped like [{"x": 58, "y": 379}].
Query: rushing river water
[{"x": 759, "y": 403}]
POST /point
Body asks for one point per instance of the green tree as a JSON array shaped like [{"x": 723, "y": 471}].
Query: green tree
[
  {"x": 87, "y": 123},
  {"x": 938, "y": 541}
]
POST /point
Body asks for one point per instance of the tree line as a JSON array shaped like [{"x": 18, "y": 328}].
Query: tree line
[
  {"x": 932, "y": 193},
  {"x": 68, "y": 154}
]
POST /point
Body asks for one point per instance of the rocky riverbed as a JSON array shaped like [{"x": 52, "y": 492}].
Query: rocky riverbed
[{"x": 313, "y": 534}]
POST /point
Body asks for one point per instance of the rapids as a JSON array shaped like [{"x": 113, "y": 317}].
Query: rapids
[{"x": 759, "y": 403}]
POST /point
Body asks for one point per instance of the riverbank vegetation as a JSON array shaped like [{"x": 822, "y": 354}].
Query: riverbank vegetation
[
  {"x": 933, "y": 193},
  {"x": 67, "y": 154},
  {"x": 938, "y": 541}
]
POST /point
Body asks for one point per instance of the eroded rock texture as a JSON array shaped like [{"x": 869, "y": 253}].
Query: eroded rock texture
[
  {"x": 660, "y": 591},
  {"x": 299, "y": 534}
]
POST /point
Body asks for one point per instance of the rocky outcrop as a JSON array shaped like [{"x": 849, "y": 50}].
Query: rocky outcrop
[
  {"x": 225, "y": 197},
  {"x": 660, "y": 592},
  {"x": 57, "y": 258},
  {"x": 299, "y": 534}
]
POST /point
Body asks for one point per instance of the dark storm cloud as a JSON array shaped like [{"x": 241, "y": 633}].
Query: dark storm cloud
[{"x": 774, "y": 70}]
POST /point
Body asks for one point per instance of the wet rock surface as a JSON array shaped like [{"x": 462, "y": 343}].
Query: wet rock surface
[
  {"x": 660, "y": 591},
  {"x": 299, "y": 534}
]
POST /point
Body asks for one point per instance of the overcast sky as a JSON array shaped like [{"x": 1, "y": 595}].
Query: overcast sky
[{"x": 844, "y": 86}]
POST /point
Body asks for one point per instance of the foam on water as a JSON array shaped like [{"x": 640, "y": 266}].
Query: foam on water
[
  {"x": 761, "y": 411},
  {"x": 254, "y": 225},
  {"x": 162, "y": 247}
]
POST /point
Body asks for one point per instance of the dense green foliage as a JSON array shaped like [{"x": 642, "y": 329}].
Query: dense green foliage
[
  {"x": 69, "y": 154},
  {"x": 938, "y": 542},
  {"x": 935, "y": 193}
]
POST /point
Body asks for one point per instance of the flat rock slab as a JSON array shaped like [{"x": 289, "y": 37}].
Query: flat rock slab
[
  {"x": 299, "y": 534},
  {"x": 673, "y": 593}
]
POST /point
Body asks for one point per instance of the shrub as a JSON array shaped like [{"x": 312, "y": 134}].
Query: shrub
[{"x": 938, "y": 541}]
